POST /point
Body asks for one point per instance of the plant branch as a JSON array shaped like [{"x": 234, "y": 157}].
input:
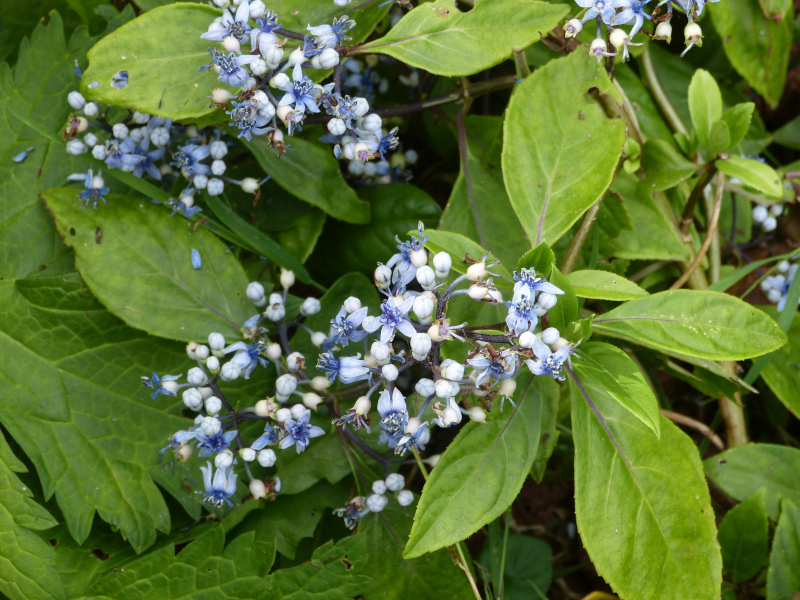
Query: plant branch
[
  {"x": 660, "y": 97},
  {"x": 463, "y": 154},
  {"x": 580, "y": 237},
  {"x": 687, "y": 218},
  {"x": 696, "y": 425}
]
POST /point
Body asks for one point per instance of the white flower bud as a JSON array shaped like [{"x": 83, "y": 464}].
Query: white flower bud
[
  {"x": 206, "y": 392},
  {"x": 275, "y": 312},
  {"x": 295, "y": 361},
  {"x": 572, "y": 28},
  {"x": 76, "y": 100},
  {"x": 296, "y": 57},
  {"x": 454, "y": 371},
  {"x": 196, "y": 376},
  {"x": 376, "y": 503},
  {"x": 362, "y": 406},
  {"x": 507, "y": 387},
  {"x": 618, "y": 37},
  {"x": 477, "y": 271},
  {"x": 774, "y": 296},
  {"x": 310, "y": 306},
  {"x": 199, "y": 181},
  {"x": 267, "y": 457},
  {"x": 382, "y": 276},
  {"x": 99, "y": 152},
  {"x": 312, "y": 400},
  {"x": 247, "y": 454},
  {"x": 215, "y": 186},
  {"x": 372, "y": 122},
  {"x": 395, "y": 482},
  {"x": 229, "y": 372},
  {"x": 320, "y": 383},
  {"x": 231, "y": 44},
  {"x": 273, "y": 351},
  {"x": 444, "y": 388},
  {"x": 783, "y": 267},
  {"x": 693, "y": 34},
  {"x": 547, "y": 300},
  {"x": 442, "y": 263},
  {"x": 477, "y": 414},
  {"x": 775, "y": 209},
  {"x": 287, "y": 278},
  {"x": 223, "y": 460},
  {"x": 279, "y": 81},
  {"x": 361, "y": 107},
  {"x": 328, "y": 58},
  {"x": 418, "y": 258},
  {"x": 318, "y": 338},
  {"x": 389, "y": 372},
  {"x": 381, "y": 352},
  {"x": 420, "y": 345},
  {"x": 201, "y": 352},
  {"x": 220, "y": 96},
  {"x": 91, "y": 109},
  {"x": 258, "y": 67},
  {"x": 218, "y": 150},
  {"x": 352, "y": 304},
  {"x": 423, "y": 307},
  {"x": 216, "y": 341},
  {"x": 282, "y": 415},
  {"x": 257, "y": 487},
  {"x": 550, "y": 335},
  {"x": 494, "y": 295},
  {"x": 120, "y": 131},
  {"x": 769, "y": 224},
  {"x": 426, "y": 277},
  {"x": 137, "y": 135},
  {"x": 425, "y": 387},
  {"x": 273, "y": 54},
  {"x": 75, "y": 147},
  {"x": 760, "y": 213},
  {"x": 263, "y": 408},
  {"x": 191, "y": 350},
  {"x": 379, "y": 487},
  {"x": 257, "y": 10},
  {"x": 90, "y": 140},
  {"x": 663, "y": 31},
  {"x": 171, "y": 386},
  {"x": 213, "y": 405},
  {"x": 297, "y": 411},
  {"x": 285, "y": 386},
  {"x": 218, "y": 167},
  {"x": 405, "y": 497},
  {"x": 559, "y": 344},
  {"x": 192, "y": 398},
  {"x": 337, "y": 127},
  {"x": 477, "y": 292}
]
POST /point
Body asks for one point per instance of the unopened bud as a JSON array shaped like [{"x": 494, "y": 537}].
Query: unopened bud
[
  {"x": 258, "y": 489},
  {"x": 572, "y": 28},
  {"x": 663, "y": 31}
]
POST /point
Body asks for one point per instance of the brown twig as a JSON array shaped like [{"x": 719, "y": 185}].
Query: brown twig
[{"x": 696, "y": 425}]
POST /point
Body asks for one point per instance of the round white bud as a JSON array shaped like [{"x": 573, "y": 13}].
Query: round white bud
[
  {"x": 360, "y": 107},
  {"x": 310, "y": 306},
  {"x": 362, "y": 406},
  {"x": 170, "y": 386},
  {"x": 231, "y": 44},
  {"x": 426, "y": 277},
  {"x": 196, "y": 376},
  {"x": 216, "y": 341},
  {"x": 560, "y": 343},
  {"x": 320, "y": 383},
  {"x": 212, "y": 364},
  {"x": 477, "y": 271},
  {"x": 420, "y": 344},
  {"x": 376, "y": 503},
  {"x": 395, "y": 482},
  {"x": 507, "y": 387},
  {"x": 99, "y": 152},
  {"x": 201, "y": 352},
  {"x": 693, "y": 33},
  {"x": 215, "y": 186},
  {"x": 371, "y": 122},
  {"x": 275, "y": 312},
  {"x": 769, "y": 224},
  {"x": 279, "y": 81},
  {"x": 382, "y": 276},
  {"x": 337, "y": 127},
  {"x": 120, "y": 131},
  {"x": 328, "y": 58},
  {"x": 75, "y": 147},
  {"x": 774, "y": 296},
  {"x": 444, "y": 388},
  {"x": 389, "y": 372},
  {"x": 423, "y": 307},
  {"x": 192, "y": 399},
  {"x": 296, "y": 57},
  {"x": 352, "y": 304},
  {"x": 213, "y": 405},
  {"x": 318, "y": 338},
  {"x": 760, "y": 213},
  {"x": 405, "y": 497},
  {"x": 297, "y": 411},
  {"x": 267, "y": 457},
  {"x": 550, "y": 335},
  {"x": 418, "y": 258},
  {"x": 206, "y": 392},
  {"x": 477, "y": 292},
  {"x": 257, "y": 487},
  {"x": 454, "y": 371},
  {"x": 91, "y": 109},
  {"x": 287, "y": 278},
  {"x": 273, "y": 351},
  {"x": 218, "y": 167},
  {"x": 263, "y": 408},
  {"x": 775, "y": 209},
  {"x": 663, "y": 31},
  {"x": 273, "y": 54},
  {"x": 283, "y": 415},
  {"x": 223, "y": 460},
  {"x": 220, "y": 96},
  {"x": 257, "y": 9},
  {"x": 295, "y": 361},
  {"x": 381, "y": 352},
  {"x": 229, "y": 372},
  {"x": 199, "y": 181},
  {"x": 90, "y": 140},
  {"x": 425, "y": 387},
  {"x": 783, "y": 267},
  {"x": 379, "y": 487},
  {"x": 191, "y": 350},
  {"x": 547, "y": 300},
  {"x": 285, "y": 386},
  {"x": 477, "y": 414},
  {"x": 218, "y": 150},
  {"x": 311, "y": 400},
  {"x": 247, "y": 454},
  {"x": 76, "y": 100},
  {"x": 618, "y": 37},
  {"x": 442, "y": 263}
]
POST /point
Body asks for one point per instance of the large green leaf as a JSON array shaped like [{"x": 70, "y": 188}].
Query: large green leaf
[
  {"x": 142, "y": 269},
  {"x": 744, "y": 537},
  {"x": 496, "y": 219},
  {"x": 604, "y": 285},
  {"x": 757, "y": 45},
  {"x": 68, "y": 396},
  {"x": 459, "y": 248},
  {"x": 479, "y": 474},
  {"x": 709, "y": 325},
  {"x": 606, "y": 370},
  {"x": 752, "y": 173},
  {"x": 441, "y": 39},
  {"x": 309, "y": 171},
  {"x": 27, "y": 567},
  {"x": 642, "y": 505},
  {"x": 743, "y": 470},
  {"x": 780, "y": 373},
  {"x": 430, "y": 577},
  {"x": 705, "y": 104},
  {"x": 783, "y": 578},
  {"x": 560, "y": 150},
  {"x": 665, "y": 166},
  {"x": 164, "y": 75}
]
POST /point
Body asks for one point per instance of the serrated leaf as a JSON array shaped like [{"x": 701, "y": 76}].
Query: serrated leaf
[
  {"x": 642, "y": 505},
  {"x": 783, "y": 578},
  {"x": 560, "y": 149},
  {"x": 441, "y": 39},
  {"x": 607, "y": 371},
  {"x": 743, "y": 470},
  {"x": 738, "y": 120},
  {"x": 310, "y": 172},
  {"x": 164, "y": 75},
  {"x": 665, "y": 166},
  {"x": 142, "y": 269},
  {"x": 752, "y": 173},
  {"x": 479, "y": 474},
  {"x": 604, "y": 285},
  {"x": 67, "y": 397},
  {"x": 705, "y": 104},
  {"x": 708, "y": 325},
  {"x": 744, "y": 537}
]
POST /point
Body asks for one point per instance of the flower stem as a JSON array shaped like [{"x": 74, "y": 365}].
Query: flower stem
[
  {"x": 662, "y": 101},
  {"x": 580, "y": 237}
]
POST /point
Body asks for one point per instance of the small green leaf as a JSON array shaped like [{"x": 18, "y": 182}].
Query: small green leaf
[
  {"x": 604, "y": 285},
  {"x": 608, "y": 371},
  {"x": 738, "y": 120},
  {"x": 744, "y": 537},
  {"x": 560, "y": 149},
  {"x": 540, "y": 259},
  {"x": 642, "y": 505},
  {"x": 310, "y": 172},
  {"x": 141, "y": 268},
  {"x": 665, "y": 166},
  {"x": 705, "y": 324},
  {"x": 164, "y": 75},
  {"x": 578, "y": 331},
  {"x": 783, "y": 578},
  {"x": 752, "y": 173},
  {"x": 705, "y": 105},
  {"x": 566, "y": 309},
  {"x": 743, "y": 470},
  {"x": 441, "y": 39},
  {"x": 496, "y": 455},
  {"x": 720, "y": 138}
]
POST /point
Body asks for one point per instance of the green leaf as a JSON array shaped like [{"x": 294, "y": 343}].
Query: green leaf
[
  {"x": 441, "y": 39},
  {"x": 757, "y": 45},
  {"x": 495, "y": 216},
  {"x": 66, "y": 397},
  {"x": 604, "y": 285},
  {"x": 743, "y": 470},
  {"x": 431, "y": 577},
  {"x": 528, "y": 567},
  {"x": 665, "y": 166},
  {"x": 744, "y": 537},
  {"x": 783, "y": 578},
  {"x": 566, "y": 309},
  {"x": 704, "y": 324},
  {"x": 142, "y": 270},
  {"x": 720, "y": 138},
  {"x": 789, "y": 134},
  {"x": 752, "y": 173},
  {"x": 705, "y": 104},
  {"x": 296, "y": 15},
  {"x": 310, "y": 172},
  {"x": 780, "y": 373},
  {"x": 560, "y": 150},
  {"x": 642, "y": 505},
  {"x": 395, "y": 208},
  {"x": 540, "y": 259},
  {"x": 497, "y": 456},
  {"x": 164, "y": 75},
  {"x": 460, "y": 247},
  {"x": 738, "y": 120},
  {"x": 608, "y": 372}
]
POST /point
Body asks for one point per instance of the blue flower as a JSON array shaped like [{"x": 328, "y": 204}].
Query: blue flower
[
  {"x": 230, "y": 67},
  {"x": 404, "y": 270},
  {"x": 329, "y": 36},
  {"x": 92, "y": 195},
  {"x": 272, "y": 435},
  {"x": 549, "y": 363},
  {"x": 142, "y": 157},
  {"x": 355, "y": 420},
  {"x": 336, "y": 105},
  {"x": 352, "y": 512},
  {"x": 310, "y": 48},
  {"x": 299, "y": 92},
  {"x": 394, "y": 417},
  {"x": 299, "y": 433},
  {"x": 700, "y": 4},
  {"x": 235, "y": 26},
  {"x": 157, "y": 383},
  {"x": 782, "y": 285},
  {"x": 247, "y": 356},
  {"x": 209, "y": 445},
  {"x": 605, "y": 8},
  {"x": 529, "y": 285},
  {"x": 349, "y": 369},
  {"x": 180, "y": 438},
  {"x": 497, "y": 365},
  {"x": 407, "y": 442},
  {"x": 188, "y": 158},
  {"x": 178, "y": 206},
  {"x": 521, "y": 315},
  {"x": 118, "y": 156},
  {"x": 633, "y": 10},
  {"x": 221, "y": 488},
  {"x": 196, "y": 260},
  {"x": 388, "y": 142},
  {"x": 393, "y": 318},
  {"x": 247, "y": 119},
  {"x": 262, "y": 35},
  {"x": 345, "y": 328}
]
